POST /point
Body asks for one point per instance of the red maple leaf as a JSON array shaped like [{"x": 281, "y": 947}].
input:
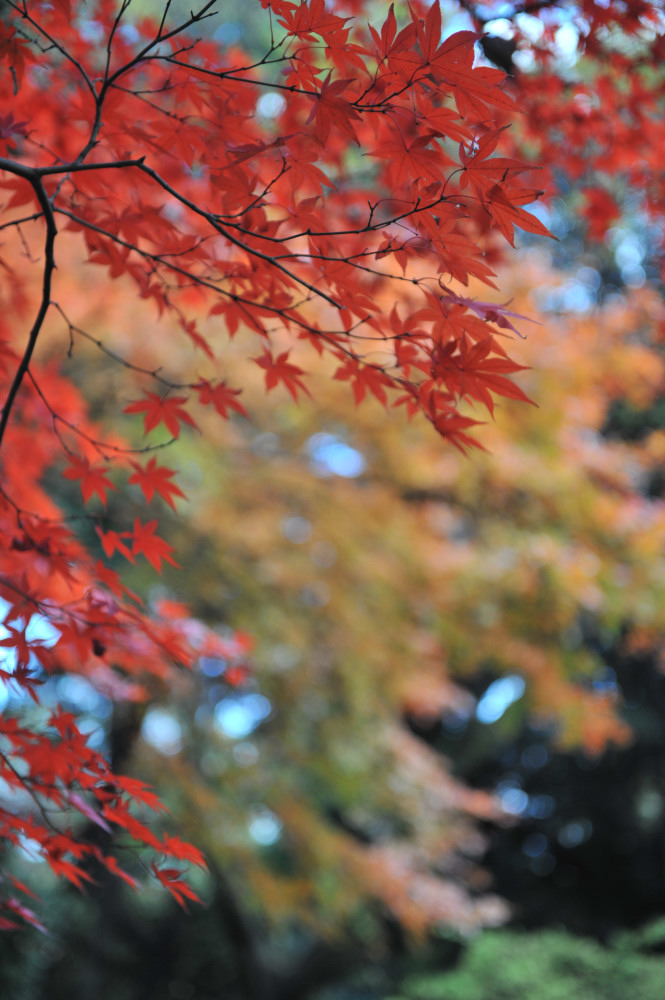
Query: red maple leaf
[
  {"x": 147, "y": 543},
  {"x": 10, "y": 128},
  {"x": 140, "y": 791},
  {"x": 73, "y": 873},
  {"x": 280, "y": 369},
  {"x": 310, "y": 17},
  {"x": 330, "y": 109},
  {"x": 364, "y": 378},
  {"x": 503, "y": 207},
  {"x": 222, "y": 397},
  {"x": 167, "y": 410},
  {"x": 183, "y": 851},
  {"x": 411, "y": 157},
  {"x": 19, "y": 642},
  {"x": 111, "y": 863},
  {"x": 389, "y": 42},
  {"x": 120, "y": 814},
  {"x": 171, "y": 879},
  {"x": 110, "y": 579},
  {"x": 112, "y": 542},
  {"x": 153, "y": 478},
  {"x": 93, "y": 478},
  {"x": 472, "y": 372}
]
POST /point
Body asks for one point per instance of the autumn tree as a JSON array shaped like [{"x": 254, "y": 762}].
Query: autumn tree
[{"x": 344, "y": 214}]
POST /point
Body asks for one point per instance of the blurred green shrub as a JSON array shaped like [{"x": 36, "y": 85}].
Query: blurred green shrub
[{"x": 551, "y": 965}]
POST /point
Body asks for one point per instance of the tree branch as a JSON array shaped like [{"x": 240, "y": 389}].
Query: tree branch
[{"x": 49, "y": 267}]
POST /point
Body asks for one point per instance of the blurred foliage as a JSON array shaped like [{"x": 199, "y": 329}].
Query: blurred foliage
[
  {"x": 540, "y": 561},
  {"x": 551, "y": 965},
  {"x": 588, "y": 852}
]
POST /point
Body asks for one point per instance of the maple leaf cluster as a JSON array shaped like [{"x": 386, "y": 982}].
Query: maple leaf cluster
[
  {"x": 64, "y": 611},
  {"x": 592, "y": 108},
  {"x": 274, "y": 228}
]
